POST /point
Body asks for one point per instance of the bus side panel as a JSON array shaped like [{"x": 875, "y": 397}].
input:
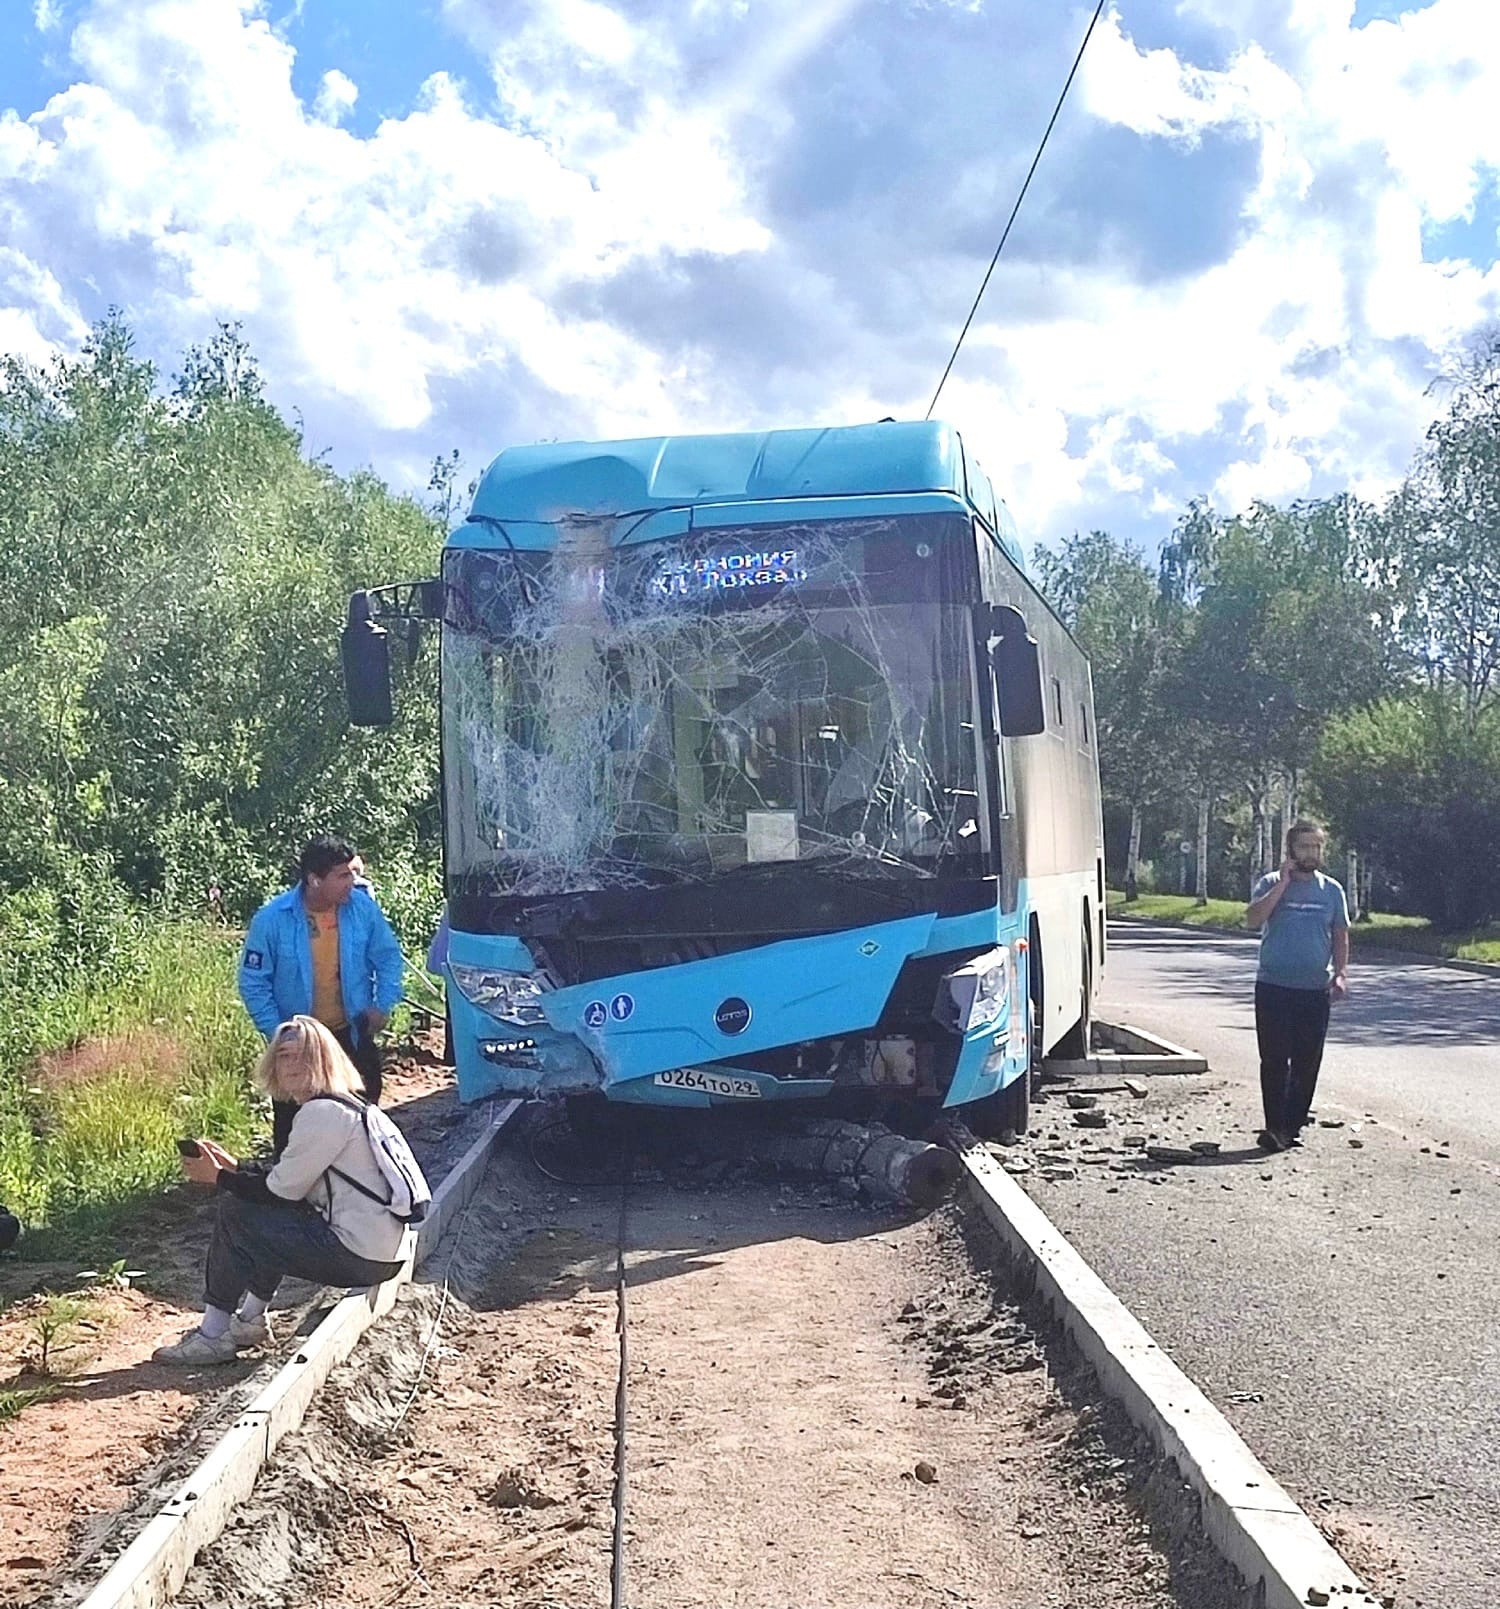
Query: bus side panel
[{"x": 1054, "y": 798}]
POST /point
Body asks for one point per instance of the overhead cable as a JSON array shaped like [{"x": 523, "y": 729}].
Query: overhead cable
[{"x": 1026, "y": 185}]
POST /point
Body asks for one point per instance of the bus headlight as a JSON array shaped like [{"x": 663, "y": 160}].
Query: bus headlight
[
  {"x": 510, "y": 996},
  {"x": 975, "y": 995}
]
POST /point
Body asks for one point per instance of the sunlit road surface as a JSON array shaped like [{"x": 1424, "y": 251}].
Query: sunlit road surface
[{"x": 1339, "y": 1302}]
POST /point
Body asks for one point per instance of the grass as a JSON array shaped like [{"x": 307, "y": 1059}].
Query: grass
[
  {"x": 1380, "y": 931},
  {"x": 97, "y": 1083},
  {"x": 56, "y": 1324},
  {"x": 15, "y": 1400}
]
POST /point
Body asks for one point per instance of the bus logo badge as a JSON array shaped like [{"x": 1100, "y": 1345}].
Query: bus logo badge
[
  {"x": 732, "y": 1016},
  {"x": 594, "y": 1014},
  {"x": 622, "y": 1007},
  {"x": 869, "y": 947}
]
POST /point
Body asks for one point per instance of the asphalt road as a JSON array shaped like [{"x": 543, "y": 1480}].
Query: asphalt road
[{"x": 1338, "y": 1302}]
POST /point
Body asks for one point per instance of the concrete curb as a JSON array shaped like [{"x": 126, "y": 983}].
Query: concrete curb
[
  {"x": 151, "y": 1571},
  {"x": 1361, "y": 952},
  {"x": 1133, "y": 1051},
  {"x": 1256, "y": 1526}
]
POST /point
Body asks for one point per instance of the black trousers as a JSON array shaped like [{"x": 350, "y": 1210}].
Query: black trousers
[
  {"x": 1290, "y": 1027},
  {"x": 367, "y": 1063},
  {"x": 255, "y": 1243}
]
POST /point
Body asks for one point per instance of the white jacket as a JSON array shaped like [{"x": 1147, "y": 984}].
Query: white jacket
[{"x": 326, "y": 1135}]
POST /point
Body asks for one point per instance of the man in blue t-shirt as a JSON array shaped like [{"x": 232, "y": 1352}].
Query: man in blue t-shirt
[{"x": 1304, "y": 961}]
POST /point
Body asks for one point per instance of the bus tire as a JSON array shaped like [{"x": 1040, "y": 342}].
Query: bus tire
[
  {"x": 591, "y": 1117},
  {"x": 1077, "y": 1044}
]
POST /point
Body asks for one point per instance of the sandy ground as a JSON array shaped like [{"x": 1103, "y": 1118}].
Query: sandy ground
[
  {"x": 119, "y": 1425},
  {"x": 828, "y": 1407}
]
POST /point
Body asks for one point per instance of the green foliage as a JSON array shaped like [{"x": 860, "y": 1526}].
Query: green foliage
[
  {"x": 1439, "y": 536},
  {"x": 173, "y": 576},
  {"x": 173, "y": 580},
  {"x": 1331, "y": 651},
  {"x": 54, "y": 1329},
  {"x": 1418, "y": 780},
  {"x": 1109, "y": 597},
  {"x": 15, "y": 1400},
  {"x": 97, "y": 1081},
  {"x": 1223, "y": 666},
  {"x": 1283, "y": 634}
]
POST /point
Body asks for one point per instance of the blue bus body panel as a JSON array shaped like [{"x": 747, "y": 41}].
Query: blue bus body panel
[
  {"x": 617, "y": 1034},
  {"x": 616, "y": 478},
  {"x": 663, "y": 486},
  {"x": 803, "y": 988},
  {"x": 995, "y": 1055}
]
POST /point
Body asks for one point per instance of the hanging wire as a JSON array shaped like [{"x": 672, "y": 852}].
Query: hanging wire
[{"x": 1026, "y": 185}]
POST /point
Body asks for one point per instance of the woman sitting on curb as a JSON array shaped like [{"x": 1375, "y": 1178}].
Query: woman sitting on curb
[{"x": 300, "y": 1217}]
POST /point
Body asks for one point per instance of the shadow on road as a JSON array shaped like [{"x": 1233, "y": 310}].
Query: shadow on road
[{"x": 1390, "y": 1004}]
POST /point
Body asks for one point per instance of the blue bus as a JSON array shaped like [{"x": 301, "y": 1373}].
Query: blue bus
[{"x": 767, "y": 775}]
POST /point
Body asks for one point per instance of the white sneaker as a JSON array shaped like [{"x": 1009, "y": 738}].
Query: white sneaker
[
  {"x": 252, "y": 1331},
  {"x": 196, "y": 1348}
]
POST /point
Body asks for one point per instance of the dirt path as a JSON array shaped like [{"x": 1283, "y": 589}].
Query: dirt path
[
  {"x": 827, "y": 1407},
  {"x": 119, "y": 1425}
]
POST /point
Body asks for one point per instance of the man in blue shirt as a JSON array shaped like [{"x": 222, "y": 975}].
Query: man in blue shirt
[
  {"x": 323, "y": 949},
  {"x": 1303, "y": 921}
]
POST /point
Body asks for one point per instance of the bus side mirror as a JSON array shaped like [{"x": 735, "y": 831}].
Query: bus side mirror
[
  {"x": 366, "y": 651},
  {"x": 1018, "y": 674}
]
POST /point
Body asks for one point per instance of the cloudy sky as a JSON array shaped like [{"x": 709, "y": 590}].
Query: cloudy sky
[{"x": 1259, "y": 229}]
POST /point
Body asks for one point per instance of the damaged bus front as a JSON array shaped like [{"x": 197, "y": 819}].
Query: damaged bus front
[{"x": 728, "y": 814}]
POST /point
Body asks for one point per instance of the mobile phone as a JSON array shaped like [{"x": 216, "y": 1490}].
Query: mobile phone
[{"x": 188, "y": 1148}]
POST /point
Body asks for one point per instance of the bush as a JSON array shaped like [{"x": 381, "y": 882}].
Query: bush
[{"x": 1415, "y": 783}]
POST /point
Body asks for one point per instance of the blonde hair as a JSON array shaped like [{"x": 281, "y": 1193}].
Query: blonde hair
[{"x": 315, "y": 1060}]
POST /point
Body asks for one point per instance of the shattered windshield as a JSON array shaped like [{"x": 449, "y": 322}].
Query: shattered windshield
[{"x": 690, "y": 709}]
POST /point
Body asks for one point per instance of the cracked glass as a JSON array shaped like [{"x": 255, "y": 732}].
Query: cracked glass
[{"x": 700, "y": 708}]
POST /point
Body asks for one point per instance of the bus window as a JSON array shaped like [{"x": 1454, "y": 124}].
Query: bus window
[{"x": 1057, "y": 704}]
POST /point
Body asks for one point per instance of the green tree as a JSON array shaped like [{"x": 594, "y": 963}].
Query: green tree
[
  {"x": 1107, "y": 595},
  {"x": 1439, "y": 537},
  {"x": 1282, "y": 629},
  {"x": 173, "y": 576},
  {"x": 1416, "y": 781}
]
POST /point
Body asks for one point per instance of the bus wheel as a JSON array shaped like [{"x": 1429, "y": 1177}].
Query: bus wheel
[
  {"x": 592, "y": 1119},
  {"x": 1078, "y": 1043}
]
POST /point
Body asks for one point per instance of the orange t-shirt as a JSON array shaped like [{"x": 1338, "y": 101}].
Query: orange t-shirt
[{"x": 328, "y": 993}]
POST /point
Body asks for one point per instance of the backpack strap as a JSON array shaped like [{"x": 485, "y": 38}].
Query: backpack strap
[
  {"x": 355, "y": 1105},
  {"x": 364, "y": 1190}
]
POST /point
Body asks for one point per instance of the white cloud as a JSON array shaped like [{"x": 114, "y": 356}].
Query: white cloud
[
  {"x": 336, "y": 97},
  {"x": 697, "y": 214},
  {"x": 595, "y": 30},
  {"x": 187, "y": 151},
  {"x": 1153, "y": 92},
  {"x": 36, "y": 315},
  {"x": 1364, "y": 136},
  {"x": 46, "y": 14}
]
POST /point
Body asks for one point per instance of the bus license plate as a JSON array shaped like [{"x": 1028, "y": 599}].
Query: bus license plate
[{"x": 709, "y": 1083}]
